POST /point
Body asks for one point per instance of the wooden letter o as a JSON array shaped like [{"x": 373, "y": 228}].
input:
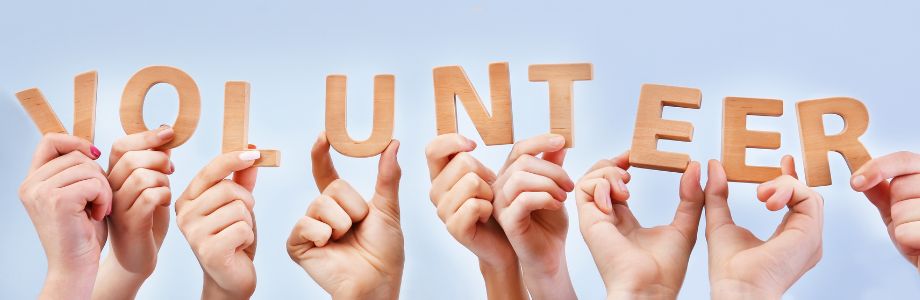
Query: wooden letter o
[{"x": 132, "y": 102}]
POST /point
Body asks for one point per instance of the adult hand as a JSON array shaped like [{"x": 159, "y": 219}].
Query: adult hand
[
  {"x": 529, "y": 195},
  {"x": 215, "y": 215},
  {"x": 898, "y": 202},
  {"x": 68, "y": 197},
  {"x": 636, "y": 262},
  {"x": 743, "y": 266},
  {"x": 353, "y": 249}
]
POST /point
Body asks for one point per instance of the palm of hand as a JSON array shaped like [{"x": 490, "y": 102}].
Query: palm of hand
[
  {"x": 747, "y": 261},
  {"x": 135, "y": 246},
  {"x": 489, "y": 243},
  {"x": 356, "y": 258},
  {"x": 541, "y": 237}
]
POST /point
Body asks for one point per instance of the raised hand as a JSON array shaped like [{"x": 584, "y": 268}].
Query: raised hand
[
  {"x": 529, "y": 194},
  {"x": 68, "y": 197},
  {"x": 636, "y": 262},
  {"x": 353, "y": 249},
  {"x": 140, "y": 212},
  {"x": 462, "y": 193},
  {"x": 743, "y": 266},
  {"x": 215, "y": 215},
  {"x": 898, "y": 202}
]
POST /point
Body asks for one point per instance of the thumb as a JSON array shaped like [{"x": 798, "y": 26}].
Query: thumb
[
  {"x": 247, "y": 177},
  {"x": 388, "y": 176}
]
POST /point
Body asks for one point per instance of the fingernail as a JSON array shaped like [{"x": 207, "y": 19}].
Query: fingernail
[
  {"x": 95, "y": 152},
  {"x": 250, "y": 155},
  {"x": 109, "y": 212},
  {"x": 609, "y": 201},
  {"x": 172, "y": 168},
  {"x": 622, "y": 186},
  {"x": 165, "y": 132},
  {"x": 557, "y": 141},
  {"x": 858, "y": 181},
  {"x": 251, "y": 147},
  {"x": 621, "y": 171}
]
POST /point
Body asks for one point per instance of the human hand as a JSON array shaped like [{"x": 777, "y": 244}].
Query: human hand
[
  {"x": 636, "y": 261},
  {"x": 353, "y": 249},
  {"x": 529, "y": 194},
  {"x": 743, "y": 266},
  {"x": 462, "y": 193},
  {"x": 898, "y": 202},
  {"x": 215, "y": 215},
  {"x": 140, "y": 212},
  {"x": 67, "y": 197}
]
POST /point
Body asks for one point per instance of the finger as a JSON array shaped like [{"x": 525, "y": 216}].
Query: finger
[
  {"x": 470, "y": 186},
  {"x": 597, "y": 191},
  {"x": 442, "y": 148},
  {"x": 715, "y": 196},
  {"x": 326, "y": 210},
  {"x": 388, "y": 176},
  {"x": 93, "y": 191},
  {"x": 521, "y": 182},
  {"x": 347, "y": 198},
  {"x": 247, "y": 178},
  {"x": 787, "y": 166},
  {"x": 556, "y": 157},
  {"x": 146, "y": 159},
  {"x": 218, "y": 169},
  {"x": 886, "y": 167},
  {"x": 527, "y": 202},
  {"x": 216, "y": 197},
  {"x": 788, "y": 191},
  {"x": 307, "y": 233},
  {"x": 324, "y": 171},
  {"x": 74, "y": 174},
  {"x": 462, "y": 224},
  {"x": 58, "y": 165},
  {"x": 616, "y": 180},
  {"x": 237, "y": 236},
  {"x": 223, "y": 217},
  {"x": 459, "y": 166},
  {"x": 528, "y": 163},
  {"x": 137, "y": 182},
  {"x": 148, "y": 202},
  {"x": 687, "y": 216},
  {"x": 622, "y": 160},
  {"x": 533, "y": 146},
  {"x": 53, "y": 145},
  {"x": 140, "y": 141}
]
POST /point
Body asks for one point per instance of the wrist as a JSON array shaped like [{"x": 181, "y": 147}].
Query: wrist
[
  {"x": 212, "y": 290},
  {"x": 382, "y": 291},
  {"x": 553, "y": 283},
  {"x": 650, "y": 291},
  {"x": 69, "y": 283},
  {"x": 503, "y": 281},
  {"x": 116, "y": 281},
  {"x": 735, "y": 289}
]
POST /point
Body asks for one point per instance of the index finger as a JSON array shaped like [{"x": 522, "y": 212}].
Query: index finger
[
  {"x": 324, "y": 171},
  {"x": 218, "y": 169},
  {"x": 787, "y": 166},
  {"x": 539, "y": 144},
  {"x": 886, "y": 167},
  {"x": 140, "y": 141},
  {"x": 442, "y": 148},
  {"x": 54, "y": 145}
]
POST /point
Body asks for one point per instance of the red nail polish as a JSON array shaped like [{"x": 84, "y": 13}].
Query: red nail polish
[
  {"x": 95, "y": 152},
  {"x": 172, "y": 168}
]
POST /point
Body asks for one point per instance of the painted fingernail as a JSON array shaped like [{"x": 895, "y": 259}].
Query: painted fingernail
[
  {"x": 858, "y": 181},
  {"x": 251, "y": 147},
  {"x": 172, "y": 168},
  {"x": 95, "y": 152},
  {"x": 250, "y": 155}
]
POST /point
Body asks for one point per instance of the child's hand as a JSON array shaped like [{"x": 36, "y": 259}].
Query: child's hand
[
  {"x": 353, "y": 249},
  {"x": 529, "y": 195},
  {"x": 67, "y": 197},
  {"x": 215, "y": 215},
  {"x": 140, "y": 212},
  {"x": 743, "y": 266},
  {"x": 462, "y": 193},
  {"x": 898, "y": 202},
  {"x": 636, "y": 262}
]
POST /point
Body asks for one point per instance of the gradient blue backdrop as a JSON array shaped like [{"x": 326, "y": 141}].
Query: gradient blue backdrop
[{"x": 790, "y": 50}]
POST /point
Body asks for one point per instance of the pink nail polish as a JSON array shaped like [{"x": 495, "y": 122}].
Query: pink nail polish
[{"x": 95, "y": 152}]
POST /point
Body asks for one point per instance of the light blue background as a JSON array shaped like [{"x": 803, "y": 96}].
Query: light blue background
[{"x": 790, "y": 50}]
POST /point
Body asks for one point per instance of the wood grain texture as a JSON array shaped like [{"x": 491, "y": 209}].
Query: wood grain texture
[
  {"x": 650, "y": 127},
  {"x": 84, "y": 113},
  {"x": 736, "y": 138},
  {"x": 561, "y": 78},
  {"x": 451, "y": 83},
  {"x": 816, "y": 143},
  {"x": 336, "y": 121},
  {"x": 236, "y": 124},
  {"x": 132, "y": 102}
]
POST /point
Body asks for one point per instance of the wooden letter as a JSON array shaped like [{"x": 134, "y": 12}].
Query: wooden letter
[
  {"x": 451, "y": 82},
  {"x": 336, "y": 130},
  {"x": 132, "y": 102},
  {"x": 236, "y": 124},
  {"x": 560, "y": 78},
  {"x": 816, "y": 143},
  {"x": 84, "y": 110},
  {"x": 650, "y": 127},
  {"x": 736, "y": 139}
]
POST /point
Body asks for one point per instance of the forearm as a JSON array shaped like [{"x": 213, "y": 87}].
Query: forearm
[
  {"x": 733, "y": 289},
  {"x": 114, "y": 281},
  {"x": 503, "y": 282},
  {"x": 654, "y": 291},
  {"x": 211, "y": 290},
  {"x": 550, "y": 284},
  {"x": 68, "y": 284}
]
